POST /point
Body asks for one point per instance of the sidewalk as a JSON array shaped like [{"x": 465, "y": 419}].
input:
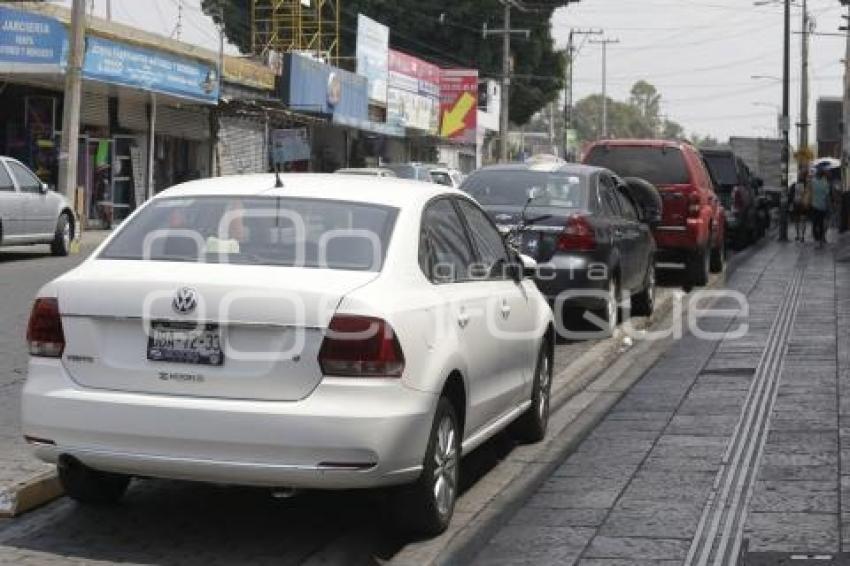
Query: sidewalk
[{"x": 736, "y": 445}]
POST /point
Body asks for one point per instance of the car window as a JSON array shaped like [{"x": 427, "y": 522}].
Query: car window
[
  {"x": 291, "y": 232},
  {"x": 658, "y": 165},
  {"x": 610, "y": 205},
  {"x": 5, "y": 180},
  {"x": 512, "y": 188},
  {"x": 488, "y": 242},
  {"x": 27, "y": 181},
  {"x": 441, "y": 178},
  {"x": 722, "y": 169},
  {"x": 447, "y": 254},
  {"x": 626, "y": 206}
]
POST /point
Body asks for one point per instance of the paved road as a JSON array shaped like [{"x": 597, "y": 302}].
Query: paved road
[
  {"x": 724, "y": 449},
  {"x": 23, "y": 270},
  {"x": 166, "y": 522}
]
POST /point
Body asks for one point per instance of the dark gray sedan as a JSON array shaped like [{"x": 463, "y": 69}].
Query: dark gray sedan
[
  {"x": 30, "y": 213},
  {"x": 592, "y": 241}
]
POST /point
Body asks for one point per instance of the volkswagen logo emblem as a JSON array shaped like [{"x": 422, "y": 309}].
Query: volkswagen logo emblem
[{"x": 185, "y": 300}]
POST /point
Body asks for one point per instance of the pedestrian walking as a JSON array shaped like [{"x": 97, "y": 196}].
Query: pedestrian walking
[
  {"x": 821, "y": 199},
  {"x": 797, "y": 209}
]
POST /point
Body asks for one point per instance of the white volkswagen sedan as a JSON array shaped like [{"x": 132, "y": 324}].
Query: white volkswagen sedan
[{"x": 328, "y": 332}]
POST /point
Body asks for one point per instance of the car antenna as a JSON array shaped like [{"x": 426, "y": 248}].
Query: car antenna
[{"x": 278, "y": 184}]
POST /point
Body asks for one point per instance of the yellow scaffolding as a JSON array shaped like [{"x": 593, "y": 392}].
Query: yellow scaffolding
[{"x": 287, "y": 26}]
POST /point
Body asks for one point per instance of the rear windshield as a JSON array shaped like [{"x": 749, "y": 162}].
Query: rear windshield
[
  {"x": 659, "y": 166},
  {"x": 722, "y": 168},
  {"x": 293, "y": 232},
  {"x": 513, "y": 188}
]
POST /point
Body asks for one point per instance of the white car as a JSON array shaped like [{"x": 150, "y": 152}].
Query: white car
[
  {"x": 445, "y": 176},
  {"x": 311, "y": 335},
  {"x": 30, "y": 213},
  {"x": 366, "y": 172}
]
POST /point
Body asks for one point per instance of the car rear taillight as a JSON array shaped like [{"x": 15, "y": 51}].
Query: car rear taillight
[
  {"x": 44, "y": 331},
  {"x": 360, "y": 346},
  {"x": 694, "y": 204},
  {"x": 578, "y": 235}
]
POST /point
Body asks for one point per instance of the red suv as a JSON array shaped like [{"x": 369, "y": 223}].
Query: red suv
[{"x": 693, "y": 229}]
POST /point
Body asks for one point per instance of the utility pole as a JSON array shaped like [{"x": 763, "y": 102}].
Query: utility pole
[
  {"x": 604, "y": 43},
  {"x": 506, "y": 72},
  {"x": 108, "y": 10},
  {"x": 845, "y": 130},
  {"x": 786, "y": 122},
  {"x": 572, "y": 53},
  {"x": 803, "y": 139},
  {"x": 68, "y": 150}
]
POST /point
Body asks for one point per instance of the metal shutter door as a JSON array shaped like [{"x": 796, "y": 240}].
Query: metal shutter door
[
  {"x": 132, "y": 113},
  {"x": 184, "y": 123},
  {"x": 242, "y": 147},
  {"x": 94, "y": 110}
]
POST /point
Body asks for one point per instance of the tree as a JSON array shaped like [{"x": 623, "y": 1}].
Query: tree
[
  {"x": 646, "y": 99},
  {"x": 447, "y": 32},
  {"x": 639, "y": 117}
]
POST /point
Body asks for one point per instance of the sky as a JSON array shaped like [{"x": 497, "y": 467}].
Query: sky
[{"x": 700, "y": 54}]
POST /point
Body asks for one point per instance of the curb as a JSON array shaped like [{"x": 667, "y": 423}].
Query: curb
[{"x": 29, "y": 494}]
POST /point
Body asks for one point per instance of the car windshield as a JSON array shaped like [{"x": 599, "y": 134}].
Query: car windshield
[
  {"x": 722, "y": 168},
  {"x": 658, "y": 165},
  {"x": 293, "y": 232},
  {"x": 513, "y": 188}
]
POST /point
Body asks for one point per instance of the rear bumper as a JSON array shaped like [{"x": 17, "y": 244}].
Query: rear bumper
[
  {"x": 682, "y": 238},
  {"x": 347, "y": 434},
  {"x": 575, "y": 280}
]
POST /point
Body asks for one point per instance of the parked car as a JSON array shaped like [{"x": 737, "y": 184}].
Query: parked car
[
  {"x": 30, "y": 213},
  {"x": 366, "y": 171},
  {"x": 447, "y": 176},
  {"x": 233, "y": 332},
  {"x": 736, "y": 187},
  {"x": 692, "y": 229},
  {"x": 414, "y": 170},
  {"x": 583, "y": 228}
]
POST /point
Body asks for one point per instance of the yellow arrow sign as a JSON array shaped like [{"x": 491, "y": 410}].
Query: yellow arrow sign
[{"x": 454, "y": 119}]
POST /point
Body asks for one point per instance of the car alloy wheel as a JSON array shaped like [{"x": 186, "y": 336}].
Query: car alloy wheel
[
  {"x": 543, "y": 381},
  {"x": 446, "y": 466},
  {"x": 612, "y": 308}
]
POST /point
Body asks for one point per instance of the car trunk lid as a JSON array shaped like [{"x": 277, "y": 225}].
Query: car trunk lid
[
  {"x": 540, "y": 239},
  {"x": 123, "y": 328}
]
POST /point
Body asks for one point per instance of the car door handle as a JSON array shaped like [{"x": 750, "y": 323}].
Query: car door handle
[{"x": 463, "y": 319}]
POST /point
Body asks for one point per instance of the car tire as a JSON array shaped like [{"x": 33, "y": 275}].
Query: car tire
[
  {"x": 697, "y": 267},
  {"x": 88, "y": 486},
  {"x": 643, "y": 303},
  {"x": 61, "y": 244},
  {"x": 531, "y": 425},
  {"x": 611, "y": 313},
  {"x": 426, "y": 506},
  {"x": 718, "y": 258}
]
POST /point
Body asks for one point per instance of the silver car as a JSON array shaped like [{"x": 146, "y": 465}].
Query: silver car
[{"x": 30, "y": 213}]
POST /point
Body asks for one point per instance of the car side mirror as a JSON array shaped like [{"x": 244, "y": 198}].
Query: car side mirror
[{"x": 43, "y": 188}]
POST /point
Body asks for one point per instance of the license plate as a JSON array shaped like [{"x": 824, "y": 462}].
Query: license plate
[{"x": 186, "y": 343}]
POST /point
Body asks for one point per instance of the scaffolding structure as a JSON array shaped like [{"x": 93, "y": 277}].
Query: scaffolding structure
[{"x": 303, "y": 26}]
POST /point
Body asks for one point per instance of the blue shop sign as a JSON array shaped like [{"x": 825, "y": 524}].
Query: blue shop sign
[
  {"x": 312, "y": 86},
  {"x": 31, "y": 43},
  {"x": 137, "y": 67}
]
